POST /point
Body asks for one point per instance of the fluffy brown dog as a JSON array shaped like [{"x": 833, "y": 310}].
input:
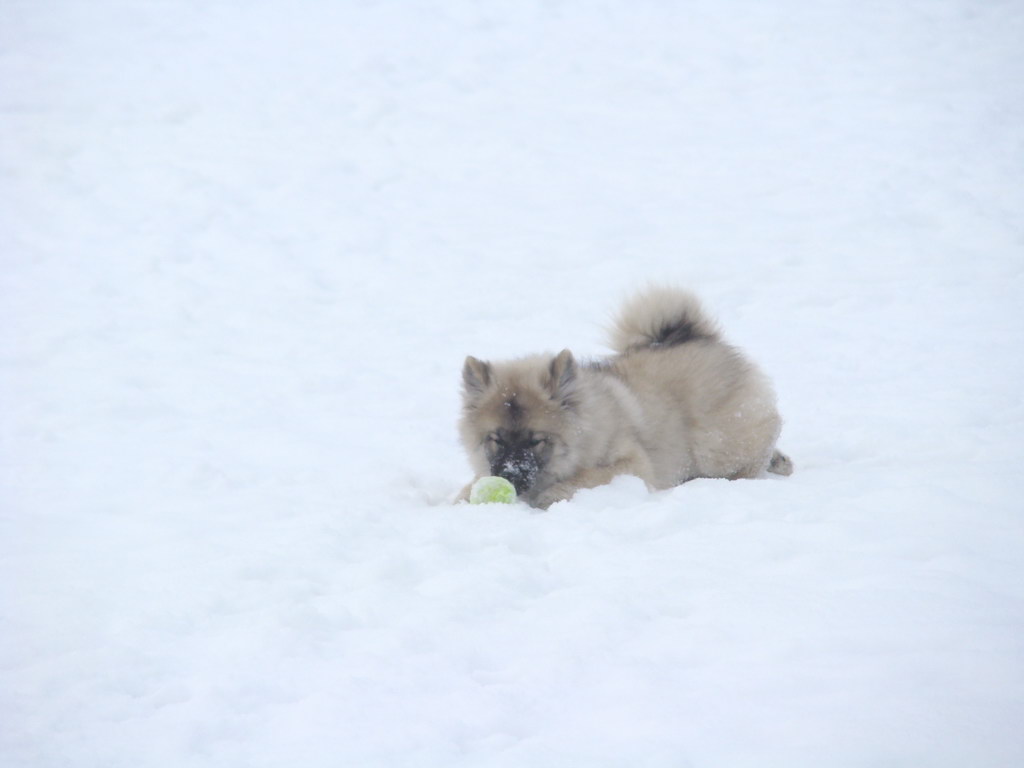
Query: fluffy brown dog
[{"x": 675, "y": 402}]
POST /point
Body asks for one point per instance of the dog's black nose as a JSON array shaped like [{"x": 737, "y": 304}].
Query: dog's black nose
[{"x": 519, "y": 467}]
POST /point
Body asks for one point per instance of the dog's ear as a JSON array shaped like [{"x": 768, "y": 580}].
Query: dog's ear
[
  {"x": 561, "y": 381},
  {"x": 476, "y": 377}
]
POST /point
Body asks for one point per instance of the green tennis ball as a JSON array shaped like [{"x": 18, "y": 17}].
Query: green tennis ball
[{"x": 492, "y": 490}]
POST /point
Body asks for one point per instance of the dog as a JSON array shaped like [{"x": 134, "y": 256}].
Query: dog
[{"x": 675, "y": 402}]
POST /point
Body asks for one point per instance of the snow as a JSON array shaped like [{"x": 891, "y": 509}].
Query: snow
[{"x": 246, "y": 247}]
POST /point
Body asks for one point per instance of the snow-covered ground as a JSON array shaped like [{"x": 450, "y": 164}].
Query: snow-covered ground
[{"x": 245, "y": 247}]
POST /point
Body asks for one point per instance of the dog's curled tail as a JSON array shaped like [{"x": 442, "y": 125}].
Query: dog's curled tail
[{"x": 661, "y": 317}]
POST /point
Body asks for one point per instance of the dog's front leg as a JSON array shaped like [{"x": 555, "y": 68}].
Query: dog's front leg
[{"x": 592, "y": 477}]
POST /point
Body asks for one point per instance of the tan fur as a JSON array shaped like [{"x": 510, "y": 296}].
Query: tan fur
[
  {"x": 663, "y": 410},
  {"x": 656, "y": 306}
]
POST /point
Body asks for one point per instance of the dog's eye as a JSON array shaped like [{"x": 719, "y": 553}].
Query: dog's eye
[
  {"x": 537, "y": 442},
  {"x": 494, "y": 439}
]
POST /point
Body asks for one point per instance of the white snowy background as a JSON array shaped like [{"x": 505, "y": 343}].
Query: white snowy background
[{"x": 245, "y": 248}]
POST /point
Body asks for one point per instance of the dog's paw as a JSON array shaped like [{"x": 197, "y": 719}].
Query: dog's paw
[
  {"x": 555, "y": 493},
  {"x": 463, "y": 495}
]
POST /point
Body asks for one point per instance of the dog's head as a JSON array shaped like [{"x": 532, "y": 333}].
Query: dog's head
[{"x": 516, "y": 418}]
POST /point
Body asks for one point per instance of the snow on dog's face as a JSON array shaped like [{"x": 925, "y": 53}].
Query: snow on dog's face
[{"x": 515, "y": 418}]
